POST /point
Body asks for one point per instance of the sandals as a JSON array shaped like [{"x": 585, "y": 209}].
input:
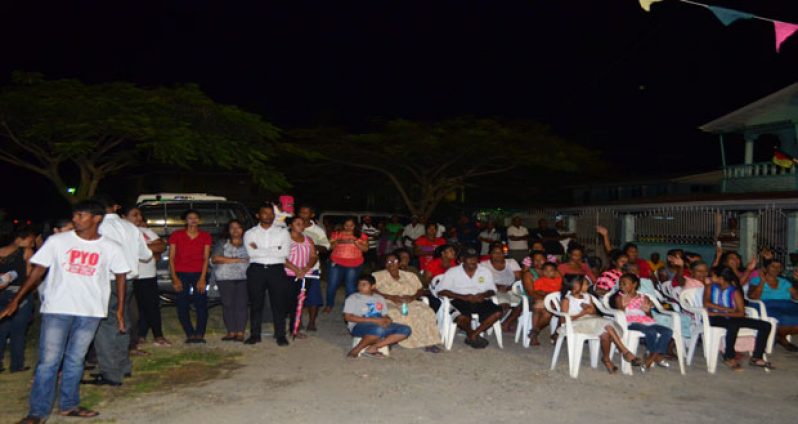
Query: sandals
[
  {"x": 79, "y": 412},
  {"x": 635, "y": 361},
  {"x": 373, "y": 355},
  {"x": 761, "y": 363},
  {"x": 533, "y": 337},
  {"x": 733, "y": 365},
  {"x": 611, "y": 368}
]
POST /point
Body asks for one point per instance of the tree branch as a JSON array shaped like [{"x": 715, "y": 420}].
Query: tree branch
[{"x": 29, "y": 147}]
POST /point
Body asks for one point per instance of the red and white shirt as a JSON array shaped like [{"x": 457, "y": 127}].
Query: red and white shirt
[{"x": 77, "y": 281}]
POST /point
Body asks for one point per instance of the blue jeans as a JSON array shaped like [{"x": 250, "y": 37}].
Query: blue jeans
[
  {"x": 15, "y": 327},
  {"x": 368, "y": 329},
  {"x": 657, "y": 336},
  {"x": 67, "y": 338},
  {"x": 190, "y": 295},
  {"x": 334, "y": 277}
]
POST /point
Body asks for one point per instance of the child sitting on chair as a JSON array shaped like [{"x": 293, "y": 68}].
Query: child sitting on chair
[
  {"x": 549, "y": 282},
  {"x": 366, "y": 316}
]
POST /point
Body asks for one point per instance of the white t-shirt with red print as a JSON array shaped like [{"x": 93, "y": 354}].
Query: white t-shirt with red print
[{"x": 77, "y": 281}]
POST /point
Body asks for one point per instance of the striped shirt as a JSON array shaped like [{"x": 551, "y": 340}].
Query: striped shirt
[
  {"x": 299, "y": 256},
  {"x": 722, "y": 297}
]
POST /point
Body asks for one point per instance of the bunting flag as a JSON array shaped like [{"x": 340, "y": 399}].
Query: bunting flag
[
  {"x": 783, "y": 31},
  {"x": 728, "y": 16},
  {"x": 646, "y": 4},
  {"x": 782, "y": 159}
]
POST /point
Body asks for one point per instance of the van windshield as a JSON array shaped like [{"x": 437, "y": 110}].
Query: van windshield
[{"x": 214, "y": 216}]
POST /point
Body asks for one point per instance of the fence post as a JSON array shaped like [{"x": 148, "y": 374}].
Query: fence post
[
  {"x": 628, "y": 228},
  {"x": 792, "y": 232},
  {"x": 749, "y": 227}
]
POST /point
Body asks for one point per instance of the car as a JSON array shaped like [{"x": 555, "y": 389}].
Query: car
[{"x": 162, "y": 213}]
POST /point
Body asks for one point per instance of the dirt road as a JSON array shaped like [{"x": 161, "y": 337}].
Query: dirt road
[{"x": 312, "y": 382}]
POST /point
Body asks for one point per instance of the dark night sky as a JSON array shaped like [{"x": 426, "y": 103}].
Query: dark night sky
[{"x": 601, "y": 72}]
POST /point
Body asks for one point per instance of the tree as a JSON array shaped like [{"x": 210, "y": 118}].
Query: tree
[
  {"x": 64, "y": 129},
  {"x": 425, "y": 162}
]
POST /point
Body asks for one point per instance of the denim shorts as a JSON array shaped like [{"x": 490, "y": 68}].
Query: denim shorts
[{"x": 369, "y": 329}]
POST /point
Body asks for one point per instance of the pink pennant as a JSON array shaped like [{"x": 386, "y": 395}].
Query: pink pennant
[{"x": 783, "y": 31}]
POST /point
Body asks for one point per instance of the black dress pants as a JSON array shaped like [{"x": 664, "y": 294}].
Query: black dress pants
[{"x": 261, "y": 278}]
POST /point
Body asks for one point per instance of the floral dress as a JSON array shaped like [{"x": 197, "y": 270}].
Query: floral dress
[{"x": 420, "y": 317}]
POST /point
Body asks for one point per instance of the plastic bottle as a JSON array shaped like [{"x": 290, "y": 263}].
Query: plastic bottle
[
  {"x": 8, "y": 277},
  {"x": 404, "y": 309}
]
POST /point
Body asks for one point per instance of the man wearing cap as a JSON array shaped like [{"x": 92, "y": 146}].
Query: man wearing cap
[{"x": 471, "y": 287}]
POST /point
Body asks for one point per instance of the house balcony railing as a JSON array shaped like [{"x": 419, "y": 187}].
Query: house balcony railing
[{"x": 754, "y": 170}]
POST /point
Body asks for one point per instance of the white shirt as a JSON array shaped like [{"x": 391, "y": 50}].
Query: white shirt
[
  {"x": 130, "y": 238},
  {"x": 412, "y": 232},
  {"x": 273, "y": 245},
  {"x": 373, "y": 235},
  {"x": 514, "y": 231},
  {"x": 493, "y": 235},
  {"x": 318, "y": 235},
  {"x": 457, "y": 281},
  {"x": 147, "y": 268},
  {"x": 505, "y": 277},
  {"x": 77, "y": 281}
]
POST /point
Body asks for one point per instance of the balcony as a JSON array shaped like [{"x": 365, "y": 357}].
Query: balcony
[{"x": 759, "y": 177}]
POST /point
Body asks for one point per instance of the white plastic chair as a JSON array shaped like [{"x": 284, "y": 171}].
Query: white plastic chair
[
  {"x": 631, "y": 338},
  {"x": 496, "y": 328},
  {"x": 525, "y": 319},
  {"x": 384, "y": 350},
  {"x": 712, "y": 337},
  {"x": 445, "y": 316},
  {"x": 574, "y": 341}
]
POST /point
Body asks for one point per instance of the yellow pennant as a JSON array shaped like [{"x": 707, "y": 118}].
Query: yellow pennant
[{"x": 646, "y": 4}]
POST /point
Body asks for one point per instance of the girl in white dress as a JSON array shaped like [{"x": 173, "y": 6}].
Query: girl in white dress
[{"x": 585, "y": 320}]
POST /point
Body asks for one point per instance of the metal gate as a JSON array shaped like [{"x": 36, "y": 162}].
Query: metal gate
[{"x": 773, "y": 232}]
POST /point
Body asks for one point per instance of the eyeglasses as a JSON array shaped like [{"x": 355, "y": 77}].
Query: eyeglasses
[{"x": 392, "y": 261}]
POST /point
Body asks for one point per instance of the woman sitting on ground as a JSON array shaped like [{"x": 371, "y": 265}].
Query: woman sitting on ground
[
  {"x": 402, "y": 291},
  {"x": 723, "y": 298},
  {"x": 579, "y": 305},
  {"x": 779, "y": 296},
  {"x": 638, "y": 314}
]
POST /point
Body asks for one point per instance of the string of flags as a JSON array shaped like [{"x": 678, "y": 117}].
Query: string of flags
[{"x": 728, "y": 16}]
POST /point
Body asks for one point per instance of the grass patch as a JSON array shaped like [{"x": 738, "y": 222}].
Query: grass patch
[{"x": 164, "y": 369}]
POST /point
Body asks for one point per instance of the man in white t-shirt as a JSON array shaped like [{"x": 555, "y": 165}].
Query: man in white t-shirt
[
  {"x": 470, "y": 286},
  {"x": 113, "y": 355},
  {"x": 412, "y": 231},
  {"x": 74, "y": 300},
  {"x": 145, "y": 288},
  {"x": 518, "y": 240}
]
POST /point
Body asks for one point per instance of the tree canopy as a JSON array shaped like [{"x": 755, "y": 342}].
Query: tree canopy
[
  {"x": 77, "y": 134},
  {"x": 426, "y": 161}
]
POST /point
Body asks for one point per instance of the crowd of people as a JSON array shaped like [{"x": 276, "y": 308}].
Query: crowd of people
[{"x": 87, "y": 270}]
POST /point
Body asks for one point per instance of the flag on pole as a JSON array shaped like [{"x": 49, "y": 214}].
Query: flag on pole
[
  {"x": 782, "y": 159},
  {"x": 783, "y": 31},
  {"x": 728, "y": 16},
  {"x": 646, "y": 4}
]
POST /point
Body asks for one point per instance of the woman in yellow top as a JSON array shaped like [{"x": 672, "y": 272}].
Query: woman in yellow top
[{"x": 401, "y": 288}]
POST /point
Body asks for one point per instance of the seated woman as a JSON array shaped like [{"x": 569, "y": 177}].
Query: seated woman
[
  {"x": 550, "y": 281},
  {"x": 638, "y": 314},
  {"x": 723, "y": 298},
  {"x": 578, "y": 304},
  {"x": 576, "y": 264},
  {"x": 402, "y": 291},
  {"x": 444, "y": 258},
  {"x": 779, "y": 296}
]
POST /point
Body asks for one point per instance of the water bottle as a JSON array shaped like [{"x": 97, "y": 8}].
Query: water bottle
[
  {"x": 404, "y": 309},
  {"x": 191, "y": 291},
  {"x": 8, "y": 277}
]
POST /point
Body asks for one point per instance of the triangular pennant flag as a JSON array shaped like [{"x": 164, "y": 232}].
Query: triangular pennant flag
[
  {"x": 783, "y": 31},
  {"x": 646, "y": 4},
  {"x": 727, "y": 16}
]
